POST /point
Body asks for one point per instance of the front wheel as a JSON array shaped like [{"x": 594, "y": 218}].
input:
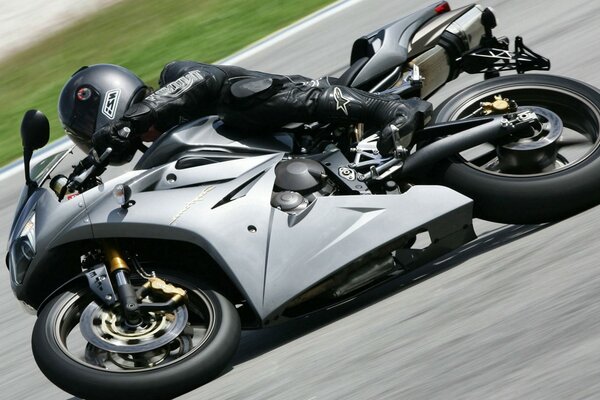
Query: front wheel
[
  {"x": 509, "y": 182},
  {"x": 166, "y": 354}
]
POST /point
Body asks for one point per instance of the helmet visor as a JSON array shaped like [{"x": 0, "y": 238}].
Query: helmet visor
[{"x": 85, "y": 113}]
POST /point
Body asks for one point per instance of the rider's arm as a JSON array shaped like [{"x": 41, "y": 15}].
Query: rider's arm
[{"x": 188, "y": 90}]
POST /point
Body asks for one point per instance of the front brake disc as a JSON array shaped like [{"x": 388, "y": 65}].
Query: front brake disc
[{"x": 108, "y": 330}]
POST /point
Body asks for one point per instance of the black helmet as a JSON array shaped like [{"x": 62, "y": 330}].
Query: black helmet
[{"x": 95, "y": 96}]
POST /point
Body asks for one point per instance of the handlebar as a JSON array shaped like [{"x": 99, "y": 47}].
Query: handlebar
[{"x": 88, "y": 168}]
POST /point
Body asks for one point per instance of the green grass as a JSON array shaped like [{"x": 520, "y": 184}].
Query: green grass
[{"x": 141, "y": 35}]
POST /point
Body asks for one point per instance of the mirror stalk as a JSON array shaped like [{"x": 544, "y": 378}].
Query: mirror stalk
[{"x": 27, "y": 153}]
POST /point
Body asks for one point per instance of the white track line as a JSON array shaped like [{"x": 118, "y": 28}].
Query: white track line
[{"x": 64, "y": 143}]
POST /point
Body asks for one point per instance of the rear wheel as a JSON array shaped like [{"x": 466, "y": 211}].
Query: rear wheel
[
  {"x": 547, "y": 176},
  {"x": 90, "y": 350}
]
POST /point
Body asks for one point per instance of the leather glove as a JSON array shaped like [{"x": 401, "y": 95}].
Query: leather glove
[
  {"x": 119, "y": 138},
  {"x": 411, "y": 117},
  {"x": 139, "y": 118}
]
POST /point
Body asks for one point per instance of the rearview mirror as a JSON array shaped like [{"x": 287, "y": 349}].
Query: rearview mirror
[{"x": 35, "y": 130}]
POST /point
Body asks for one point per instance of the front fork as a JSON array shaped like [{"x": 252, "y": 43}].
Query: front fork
[
  {"x": 128, "y": 297},
  {"x": 120, "y": 271}
]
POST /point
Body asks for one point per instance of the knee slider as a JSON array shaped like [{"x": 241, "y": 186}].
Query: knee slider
[{"x": 248, "y": 88}]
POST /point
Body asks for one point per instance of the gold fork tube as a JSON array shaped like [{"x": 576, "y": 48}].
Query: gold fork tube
[{"x": 113, "y": 257}]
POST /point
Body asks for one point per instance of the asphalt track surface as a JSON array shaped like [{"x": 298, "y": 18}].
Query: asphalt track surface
[{"x": 514, "y": 314}]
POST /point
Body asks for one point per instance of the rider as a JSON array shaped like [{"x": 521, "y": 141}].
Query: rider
[{"x": 98, "y": 101}]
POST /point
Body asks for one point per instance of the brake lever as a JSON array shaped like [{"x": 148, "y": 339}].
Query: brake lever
[{"x": 97, "y": 167}]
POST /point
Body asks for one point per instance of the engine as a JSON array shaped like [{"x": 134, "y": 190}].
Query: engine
[{"x": 298, "y": 182}]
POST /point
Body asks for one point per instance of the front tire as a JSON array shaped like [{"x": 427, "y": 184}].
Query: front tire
[
  {"x": 525, "y": 197},
  {"x": 198, "y": 355}
]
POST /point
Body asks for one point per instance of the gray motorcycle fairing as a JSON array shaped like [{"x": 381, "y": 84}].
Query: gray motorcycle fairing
[
  {"x": 339, "y": 230},
  {"x": 271, "y": 256},
  {"x": 225, "y": 209},
  {"x": 56, "y": 224},
  {"x": 210, "y": 135}
]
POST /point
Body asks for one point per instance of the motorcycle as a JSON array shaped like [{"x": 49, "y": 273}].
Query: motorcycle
[{"x": 142, "y": 283}]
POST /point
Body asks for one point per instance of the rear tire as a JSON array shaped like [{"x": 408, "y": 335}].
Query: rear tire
[
  {"x": 529, "y": 197},
  {"x": 65, "y": 367}
]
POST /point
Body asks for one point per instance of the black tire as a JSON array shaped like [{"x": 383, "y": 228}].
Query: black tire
[
  {"x": 80, "y": 378},
  {"x": 538, "y": 197}
]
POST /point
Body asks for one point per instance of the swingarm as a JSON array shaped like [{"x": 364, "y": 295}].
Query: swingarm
[{"x": 447, "y": 139}]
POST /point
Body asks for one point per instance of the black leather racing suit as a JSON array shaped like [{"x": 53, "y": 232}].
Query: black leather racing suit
[{"x": 254, "y": 100}]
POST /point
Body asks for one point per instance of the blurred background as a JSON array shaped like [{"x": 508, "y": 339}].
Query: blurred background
[{"x": 43, "y": 43}]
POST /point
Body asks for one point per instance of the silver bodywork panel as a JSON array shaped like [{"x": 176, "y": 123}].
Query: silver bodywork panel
[
  {"x": 225, "y": 209},
  {"x": 270, "y": 255},
  {"x": 209, "y": 135}
]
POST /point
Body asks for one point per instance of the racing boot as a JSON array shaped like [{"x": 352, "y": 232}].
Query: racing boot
[
  {"x": 399, "y": 132},
  {"x": 396, "y": 118}
]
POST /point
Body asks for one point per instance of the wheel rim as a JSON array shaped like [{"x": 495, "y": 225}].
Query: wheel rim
[
  {"x": 578, "y": 140},
  {"x": 107, "y": 329},
  {"x": 199, "y": 315}
]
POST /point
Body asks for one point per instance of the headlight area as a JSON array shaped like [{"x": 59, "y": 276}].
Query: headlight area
[{"x": 22, "y": 250}]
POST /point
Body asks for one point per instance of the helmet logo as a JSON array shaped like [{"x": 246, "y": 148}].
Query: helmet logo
[
  {"x": 111, "y": 101},
  {"x": 83, "y": 94}
]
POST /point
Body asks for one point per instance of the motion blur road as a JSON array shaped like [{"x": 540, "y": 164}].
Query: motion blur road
[
  {"x": 48, "y": 18},
  {"x": 514, "y": 314}
]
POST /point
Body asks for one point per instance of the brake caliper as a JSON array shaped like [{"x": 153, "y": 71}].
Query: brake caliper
[
  {"x": 164, "y": 289},
  {"x": 500, "y": 105}
]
